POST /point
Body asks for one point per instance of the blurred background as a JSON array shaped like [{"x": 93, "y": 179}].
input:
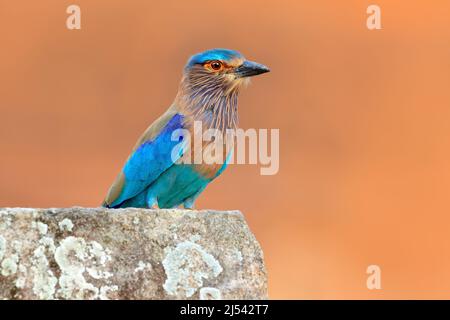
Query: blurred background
[{"x": 364, "y": 119}]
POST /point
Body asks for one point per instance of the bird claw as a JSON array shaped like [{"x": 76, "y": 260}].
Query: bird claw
[
  {"x": 154, "y": 206},
  {"x": 189, "y": 205}
]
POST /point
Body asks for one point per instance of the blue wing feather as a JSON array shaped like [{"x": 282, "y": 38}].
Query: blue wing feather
[{"x": 149, "y": 161}]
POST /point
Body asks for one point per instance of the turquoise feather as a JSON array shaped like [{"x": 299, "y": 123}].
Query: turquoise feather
[{"x": 149, "y": 161}]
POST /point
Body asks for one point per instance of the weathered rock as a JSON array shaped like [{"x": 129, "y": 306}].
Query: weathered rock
[{"x": 82, "y": 253}]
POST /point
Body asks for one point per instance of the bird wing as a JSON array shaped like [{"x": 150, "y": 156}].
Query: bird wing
[{"x": 151, "y": 156}]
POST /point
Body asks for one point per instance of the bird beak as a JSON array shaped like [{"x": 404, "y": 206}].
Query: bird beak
[{"x": 250, "y": 68}]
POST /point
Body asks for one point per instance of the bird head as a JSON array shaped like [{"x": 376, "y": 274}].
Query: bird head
[
  {"x": 210, "y": 86},
  {"x": 222, "y": 69}
]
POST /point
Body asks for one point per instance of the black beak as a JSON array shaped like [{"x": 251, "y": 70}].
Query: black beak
[{"x": 250, "y": 68}]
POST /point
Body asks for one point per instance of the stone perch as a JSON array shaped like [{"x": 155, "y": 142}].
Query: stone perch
[{"x": 84, "y": 253}]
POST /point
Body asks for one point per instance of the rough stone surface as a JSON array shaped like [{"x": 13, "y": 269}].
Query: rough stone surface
[{"x": 83, "y": 253}]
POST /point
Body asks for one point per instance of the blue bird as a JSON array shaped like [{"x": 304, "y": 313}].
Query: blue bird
[{"x": 152, "y": 177}]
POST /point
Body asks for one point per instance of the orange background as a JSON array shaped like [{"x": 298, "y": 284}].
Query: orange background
[{"x": 364, "y": 119}]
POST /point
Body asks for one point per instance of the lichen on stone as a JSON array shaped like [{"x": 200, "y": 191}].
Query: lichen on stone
[
  {"x": 42, "y": 228},
  {"x": 6, "y": 222},
  {"x": 238, "y": 255},
  {"x": 208, "y": 293},
  {"x": 142, "y": 266},
  {"x": 74, "y": 257},
  {"x": 9, "y": 265},
  {"x": 186, "y": 266},
  {"x": 44, "y": 280},
  {"x": 66, "y": 224},
  {"x": 22, "y": 278},
  {"x": 2, "y": 247}
]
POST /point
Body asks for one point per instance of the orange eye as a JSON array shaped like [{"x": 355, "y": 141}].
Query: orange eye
[{"x": 215, "y": 65}]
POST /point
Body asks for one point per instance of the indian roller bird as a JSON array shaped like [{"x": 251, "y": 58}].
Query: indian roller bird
[{"x": 208, "y": 92}]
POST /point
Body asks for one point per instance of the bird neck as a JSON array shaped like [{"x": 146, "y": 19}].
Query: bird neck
[{"x": 211, "y": 101}]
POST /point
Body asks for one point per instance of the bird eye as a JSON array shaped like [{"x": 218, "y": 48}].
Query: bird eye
[{"x": 215, "y": 65}]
